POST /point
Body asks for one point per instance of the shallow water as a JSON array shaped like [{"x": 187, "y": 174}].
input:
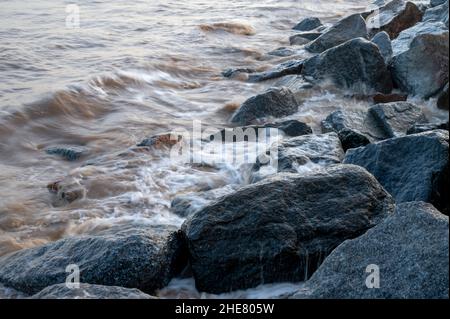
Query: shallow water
[{"x": 131, "y": 70}]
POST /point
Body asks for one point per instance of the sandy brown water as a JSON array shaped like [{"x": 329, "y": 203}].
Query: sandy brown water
[{"x": 132, "y": 69}]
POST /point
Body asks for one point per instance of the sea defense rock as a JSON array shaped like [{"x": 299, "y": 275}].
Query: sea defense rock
[
  {"x": 356, "y": 64},
  {"x": 308, "y": 24},
  {"x": 286, "y": 68},
  {"x": 437, "y": 13},
  {"x": 382, "y": 40},
  {"x": 303, "y": 38},
  {"x": 275, "y": 102},
  {"x": 403, "y": 257},
  {"x": 420, "y": 128},
  {"x": 67, "y": 152},
  {"x": 282, "y": 228},
  {"x": 388, "y": 98},
  {"x": 442, "y": 101},
  {"x": 410, "y": 168},
  {"x": 142, "y": 257},
  {"x": 420, "y": 59},
  {"x": 394, "y": 17}
]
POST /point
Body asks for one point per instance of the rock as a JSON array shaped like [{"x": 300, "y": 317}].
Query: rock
[
  {"x": 395, "y": 118},
  {"x": 87, "y": 291},
  {"x": 275, "y": 102},
  {"x": 308, "y": 24},
  {"x": 302, "y": 154},
  {"x": 435, "y": 3},
  {"x": 352, "y": 139},
  {"x": 420, "y": 62},
  {"x": 66, "y": 191},
  {"x": 420, "y": 128},
  {"x": 394, "y": 17},
  {"x": 282, "y": 228},
  {"x": 286, "y": 68},
  {"x": 281, "y": 52},
  {"x": 142, "y": 257},
  {"x": 410, "y": 249},
  {"x": 289, "y": 127},
  {"x": 387, "y": 98},
  {"x": 358, "y": 121},
  {"x": 382, "y": 40},
  {"x": 349, "y": 28},
  {"x": 357, "y": 64},
  {"x": 408, "y": 167},
  {"x": 442, "y": 101},
  {"x": 303, "y": 38},
  {"x": 188, "y": 204},
  {"x": 67, "y": 152},
  {"x": 437, "y": 14},
  {"x": 160, "y": 140}
]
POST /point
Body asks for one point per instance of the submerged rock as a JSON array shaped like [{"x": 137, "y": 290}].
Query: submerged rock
[
  {"x": 308, "y": 24},
  {"x": 275, "y": 102},
  {"x": 349, "y": 28},
  {"x": 394, "y": 17},
  {"x": 281, "y": 52},
  {"x": 357, "y": 64},
  {"x": 303, "y": 38},
  {"x": 88, "y": 291},
  {"x": 231, "y": 73},
  {"x": 160, "y": 140},
  {"x": 410, "y": 168},
  {"x": 282, "y": 228},
  {"x": 286, "y": 68},
  {"x": 69, "y": 152},
  {"x": 409, "y": 249},
  {"x": 383, "y": 42},
  {"x": 142, "y": 257},
  {"x": 420, "y": 62}
]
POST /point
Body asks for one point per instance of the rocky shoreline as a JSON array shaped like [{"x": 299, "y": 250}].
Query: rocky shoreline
[{"x": 376, "y": 194}]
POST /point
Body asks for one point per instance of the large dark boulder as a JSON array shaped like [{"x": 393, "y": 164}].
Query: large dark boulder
[
  {"x": 308, "y": 24},
  {"x": 349, "y": 28},
  {"x": 410, "y": 249},
  {"x": 394, "y": 17},
  {"x": 442, "y": 100},
  {"x": 411, "y": 167},
  {"x": 420, "y": 59},
  {"x": 142, "y": 257},
  {"x": 275, "y": 102},
  {"x": 88, "y": 291},
  {"x": 282, "y": 228},
  {"x": 356, "y": 64}
]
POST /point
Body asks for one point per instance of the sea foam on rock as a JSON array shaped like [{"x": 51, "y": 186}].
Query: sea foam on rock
[
  {"x": 281, "y": 228},
  {"x": 356, "y": 64},
  {"x": 142, "y": 257},
  {"x": 410, "y": 249}
]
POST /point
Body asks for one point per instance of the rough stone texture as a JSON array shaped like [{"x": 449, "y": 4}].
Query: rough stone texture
[
  {"x": 411, "y": 168},
  {"x": 397, "y": 117},
  {"x": 394, "y": 17},
  {"x": 69, "y": 152},
  {"x": 349, "y": 28},
  {"x": 286, "y": 68},
  {"x": 420, "y": 62},
  {"x": 382, "y": 40},
  {"x": 308, "y": 24},
  {"x": 442, "y": 101},
  {"x": 282, "y": 228},
  {"x": 387, "y": 98},
  {"x": 282, "y": 52},
  {"x": 275, "y": 102},
  {"x": 420, "y": 128},
  {"x": 303, "y": 38},
  {"x": 143, "y": 257},
  {"x": 410, "y": 247},
  {"x": 437, "y": 13},
  {"x": 435, "y": 3},
  {"x": 352, "y": 139},
  {"x": 87, "y": 291},
  {"x": 357, "y": 64}
]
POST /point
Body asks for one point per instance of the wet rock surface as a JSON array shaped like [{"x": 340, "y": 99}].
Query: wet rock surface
[{"x": 308, "y": 24}]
